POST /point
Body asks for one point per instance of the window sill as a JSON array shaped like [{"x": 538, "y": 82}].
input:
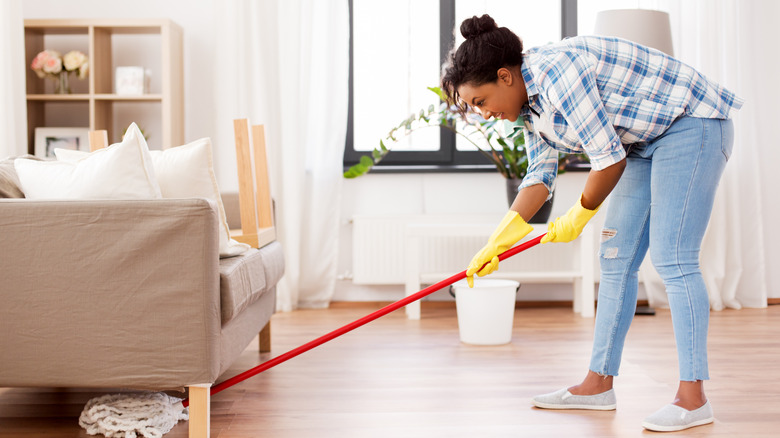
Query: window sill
[
  {"x": 456, "y": 168},
  {"x": 433, "y": 168}
]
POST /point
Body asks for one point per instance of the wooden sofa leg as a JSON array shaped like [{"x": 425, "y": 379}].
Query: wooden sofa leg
[
  {"x": 200, "y": 411},
  {"x": 265, "y": 338}
]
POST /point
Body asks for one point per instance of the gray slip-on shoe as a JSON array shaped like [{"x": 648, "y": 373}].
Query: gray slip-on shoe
[
  {"x": 672, "y": 417},
  {"x": 563, "y": 399}
]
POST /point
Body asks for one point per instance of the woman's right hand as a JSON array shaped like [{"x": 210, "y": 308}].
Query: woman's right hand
[{"x": 511, "y": 229}]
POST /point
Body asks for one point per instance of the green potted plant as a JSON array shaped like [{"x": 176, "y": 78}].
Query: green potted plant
[{"x": 506, "y": 151}]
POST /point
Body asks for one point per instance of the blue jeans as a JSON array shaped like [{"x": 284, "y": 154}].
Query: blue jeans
[{"x": 662, "y": 202}]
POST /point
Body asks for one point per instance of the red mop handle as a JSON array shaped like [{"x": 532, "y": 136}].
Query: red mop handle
[{"x": 353, "y": 325}]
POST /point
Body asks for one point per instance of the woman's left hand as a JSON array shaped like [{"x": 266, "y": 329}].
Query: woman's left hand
[{"x": 567, "y": 227}]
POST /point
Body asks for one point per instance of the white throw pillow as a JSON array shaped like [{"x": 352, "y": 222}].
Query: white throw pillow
[
  {"x": 188, "y": 172},
  {"x": 185, "y": 172},
  {"x": 121, "y": 171}
]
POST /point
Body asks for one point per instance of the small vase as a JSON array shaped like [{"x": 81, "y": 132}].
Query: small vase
[{"x": 62, "y": 86}]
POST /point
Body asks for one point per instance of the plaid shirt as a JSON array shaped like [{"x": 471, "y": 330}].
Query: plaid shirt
[{"x": 594, "y": 95}]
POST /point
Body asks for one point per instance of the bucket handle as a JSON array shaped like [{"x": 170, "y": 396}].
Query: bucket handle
[{"x": 452, "y": 291}]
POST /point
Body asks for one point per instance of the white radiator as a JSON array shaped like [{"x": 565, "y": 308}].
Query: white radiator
[
  {"x": 377, "y": 249},
  {"x": 379, "y": 245}
]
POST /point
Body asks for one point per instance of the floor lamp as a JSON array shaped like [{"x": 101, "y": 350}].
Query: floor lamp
[
  {"x": 644, "y": 26},
  {"x": 647, "y": 27}
]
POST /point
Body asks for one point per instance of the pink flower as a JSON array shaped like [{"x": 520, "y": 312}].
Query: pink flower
[
  {"x": 49, "y": 63},
  {"x": 39, "y": 61},
  {"x": 53, "y": 65}
]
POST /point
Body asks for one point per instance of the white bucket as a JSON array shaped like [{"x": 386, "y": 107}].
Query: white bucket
[{"x": 486, "y": 311}]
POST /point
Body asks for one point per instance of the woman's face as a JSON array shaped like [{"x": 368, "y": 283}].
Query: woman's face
[{"x": 501, "y": 99}]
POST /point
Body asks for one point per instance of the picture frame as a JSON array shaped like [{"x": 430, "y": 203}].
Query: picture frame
[
  {"x": 130, "y": 80},
  {"x": 48, "y": 139}
]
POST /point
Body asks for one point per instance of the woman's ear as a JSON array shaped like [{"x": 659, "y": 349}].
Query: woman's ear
[{"x": 505, "y": 76}]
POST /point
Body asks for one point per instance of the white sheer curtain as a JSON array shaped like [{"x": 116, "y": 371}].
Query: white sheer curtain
[
  {"x": 728, "y": 41},
  {"x": 285, "y": 65},
  {"x": 13, "y": 120}
]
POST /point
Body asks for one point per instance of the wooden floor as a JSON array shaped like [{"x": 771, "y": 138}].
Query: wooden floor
[{"x": 400, "y": 378}]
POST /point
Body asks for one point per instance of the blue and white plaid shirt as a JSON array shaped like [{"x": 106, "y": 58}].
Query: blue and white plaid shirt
[{"x": 594, "y": 95}]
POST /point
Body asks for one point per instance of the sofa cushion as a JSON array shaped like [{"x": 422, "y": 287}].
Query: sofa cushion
[
  {"x": 121, "y": 171},
  {"x": 188, "y": 172},
  {"x": 9, "y": 181},
  {"x": 243, "y": 279}
]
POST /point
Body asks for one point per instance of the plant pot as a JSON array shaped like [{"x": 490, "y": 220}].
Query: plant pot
[{"x": 541, "y": 216}]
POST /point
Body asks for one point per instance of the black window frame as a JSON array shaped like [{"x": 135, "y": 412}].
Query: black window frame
[{"x": 447, "y": 158}]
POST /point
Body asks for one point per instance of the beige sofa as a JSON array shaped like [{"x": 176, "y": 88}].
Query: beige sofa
[{"x": 126, "y": 294}]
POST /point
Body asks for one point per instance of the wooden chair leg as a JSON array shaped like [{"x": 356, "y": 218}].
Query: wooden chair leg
[
  {"x": 98, "y": 139},
  {"x": 262, "y": 184},
  {"x": 246, "y": 190},
  {"x": 200, "y": 411},
  {"x": 265, "y": 338},
  {"x": 254, "y": 194}
]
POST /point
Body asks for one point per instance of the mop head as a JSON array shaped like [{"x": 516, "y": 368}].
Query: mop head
[{"x": 146, "y": 414}]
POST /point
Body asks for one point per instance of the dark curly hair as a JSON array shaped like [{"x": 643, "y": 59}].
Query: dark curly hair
[{"x": 487, "y": 48}]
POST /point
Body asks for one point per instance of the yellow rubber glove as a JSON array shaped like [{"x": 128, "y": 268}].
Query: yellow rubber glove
[
  {"x": 511, "y": 229},
  {"x": 567, "y": 227}
]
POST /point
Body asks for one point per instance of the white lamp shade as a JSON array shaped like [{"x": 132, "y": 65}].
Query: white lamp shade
[{"x": 643, "y": 26}]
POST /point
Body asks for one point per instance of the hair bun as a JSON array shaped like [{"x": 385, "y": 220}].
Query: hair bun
[{"x": 476, "y": 26}]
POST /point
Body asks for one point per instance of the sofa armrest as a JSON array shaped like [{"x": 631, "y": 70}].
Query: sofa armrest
[{"x": 109, "y": 293}]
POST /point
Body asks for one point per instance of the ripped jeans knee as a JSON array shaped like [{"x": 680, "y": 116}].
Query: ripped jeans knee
[
  {"x": 608, "y": 252},
  {"x": 619, "y": 260}
]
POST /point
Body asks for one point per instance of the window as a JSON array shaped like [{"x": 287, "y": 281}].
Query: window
[{"x": 396, "y": 52}]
